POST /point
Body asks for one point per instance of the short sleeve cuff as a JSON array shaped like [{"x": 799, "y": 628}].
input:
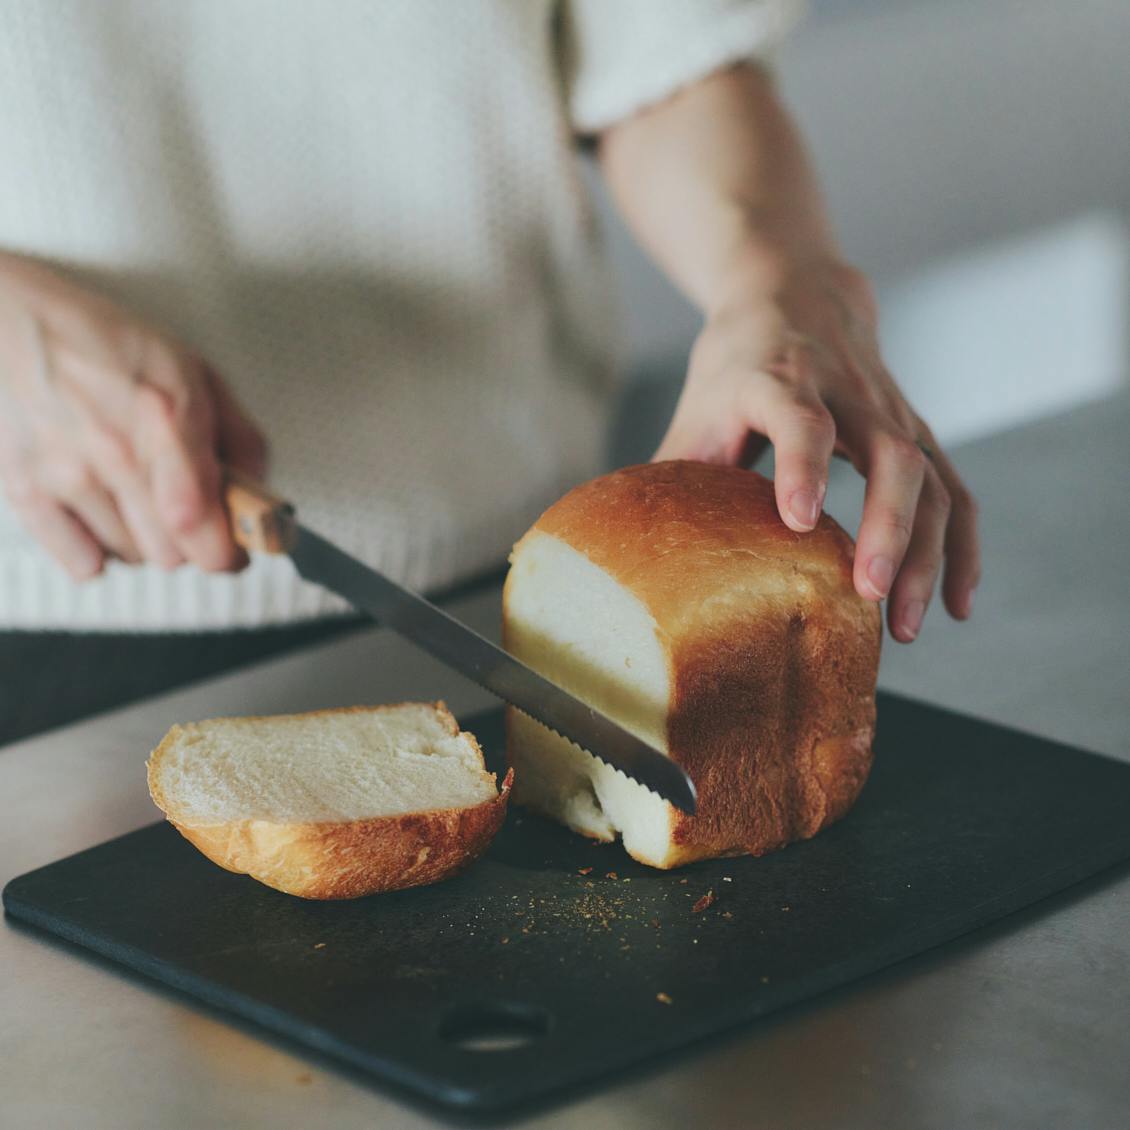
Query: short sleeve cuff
[{"x": 624, "y": 55}]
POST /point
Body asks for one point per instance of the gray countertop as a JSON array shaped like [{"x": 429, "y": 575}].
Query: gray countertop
[{"x": 1025, "y": 1024}]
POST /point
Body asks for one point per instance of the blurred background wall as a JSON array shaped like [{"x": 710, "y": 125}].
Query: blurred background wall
[{"x": 976, "y": 156}]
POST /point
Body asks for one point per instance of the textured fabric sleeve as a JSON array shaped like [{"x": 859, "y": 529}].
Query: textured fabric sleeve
[{"x": 621, "y": 55}]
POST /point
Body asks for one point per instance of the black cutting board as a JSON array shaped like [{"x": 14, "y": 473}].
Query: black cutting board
[{"x": 961, "y": 823}]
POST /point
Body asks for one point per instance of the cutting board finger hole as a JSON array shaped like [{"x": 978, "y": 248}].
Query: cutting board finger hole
[{"x": 500, "y": 1026}]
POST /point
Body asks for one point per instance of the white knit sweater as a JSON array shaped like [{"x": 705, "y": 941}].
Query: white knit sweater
[{"x": 367, "y": 214}]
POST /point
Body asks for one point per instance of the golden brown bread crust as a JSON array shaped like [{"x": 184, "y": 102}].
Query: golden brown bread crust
[
  {"x": 347, "y": 859},
  {"x": 773, "y": 655}
]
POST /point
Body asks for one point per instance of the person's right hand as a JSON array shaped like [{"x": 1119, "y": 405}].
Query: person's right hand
[{"x": 111, "y": 434}]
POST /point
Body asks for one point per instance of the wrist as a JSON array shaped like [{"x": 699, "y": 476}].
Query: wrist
[{"x": 763, "y": 273}]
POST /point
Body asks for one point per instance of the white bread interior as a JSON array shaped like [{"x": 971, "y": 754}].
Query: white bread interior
[
  {"x": 340, "y": 766},
  {"x": 572, "y": 622},
  {"x": 331, "y": 804}
]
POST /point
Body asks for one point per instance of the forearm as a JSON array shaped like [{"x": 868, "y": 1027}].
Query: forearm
[{"x": 716, "y": 185}]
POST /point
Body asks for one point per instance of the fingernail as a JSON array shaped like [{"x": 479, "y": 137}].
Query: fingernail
[
  {"x": 804, "y": 506},
  {"x": 967, "y": 607},
  {"x": 880, "y": 574},
  {"x": 911, "y": 619}
]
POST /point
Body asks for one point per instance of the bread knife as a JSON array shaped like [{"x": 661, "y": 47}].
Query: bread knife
[{"x": 264, "y": 523}]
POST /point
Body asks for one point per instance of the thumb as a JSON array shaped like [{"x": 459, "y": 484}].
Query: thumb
[
  {"x": 684, "y": 437},
  {"x": 674, "y": 445},
  {"x": 711, "y": 435}
]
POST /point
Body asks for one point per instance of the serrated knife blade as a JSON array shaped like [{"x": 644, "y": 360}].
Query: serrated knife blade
[{"x": 263, "y": 522}]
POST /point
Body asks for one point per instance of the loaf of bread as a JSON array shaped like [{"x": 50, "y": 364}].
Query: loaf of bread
[
  {"x": 673, "y": 598},
  {"x": 332, "y": 804}
]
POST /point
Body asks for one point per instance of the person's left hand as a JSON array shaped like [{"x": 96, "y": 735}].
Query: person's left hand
[{"x": 798, "y": 365}]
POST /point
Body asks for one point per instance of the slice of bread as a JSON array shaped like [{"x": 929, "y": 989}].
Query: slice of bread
[{"x": 335, "y": 803}]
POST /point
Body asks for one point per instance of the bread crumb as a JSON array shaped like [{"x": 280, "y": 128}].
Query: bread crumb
[
  {"x": 786, "y": 908},
  {"x": 612, "y": 875},
  {"x": 727, "y": 879},
  {"x": 584, "y": 870},
  {"x": 504, "y": 941},
  {"x": 663, "y": 998},
  {"x": 706, "y": 900},
  {"x": 727, "y": 914},
  {"x": 319, "y": 945},
  {"x": 683, "y": 881}
]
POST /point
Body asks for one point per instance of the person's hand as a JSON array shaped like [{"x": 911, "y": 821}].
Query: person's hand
[
  {"x": 798, "y": 365},
  {"x": 111, "y": 434}
]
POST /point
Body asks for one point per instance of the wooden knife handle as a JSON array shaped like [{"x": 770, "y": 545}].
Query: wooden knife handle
[{"x": 260, "y": 521}]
